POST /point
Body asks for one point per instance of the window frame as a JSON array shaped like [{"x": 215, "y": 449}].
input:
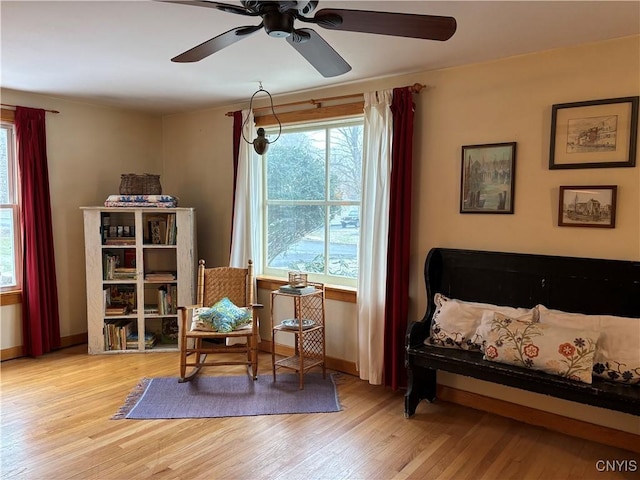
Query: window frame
[
  {"x": 12, "y": 294},
  {"x": 327, "y": 203}
]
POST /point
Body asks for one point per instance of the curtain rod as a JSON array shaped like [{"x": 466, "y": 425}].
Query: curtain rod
[
  {"x": 16, "y": 106},
  {"x": 415, "y": 88}
]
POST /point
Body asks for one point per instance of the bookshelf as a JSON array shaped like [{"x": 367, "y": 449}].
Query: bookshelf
[{"x": 140, "y": 265}]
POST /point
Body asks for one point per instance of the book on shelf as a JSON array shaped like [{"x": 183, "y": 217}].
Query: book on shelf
[
  {"x": 106, "y": 297},
  {"x": 167, "y": 299},
  {"x": 117, "y": 309},
  {"x": 120, "y": 241},
  {"x": 125, "y": 269},
  {"x": 160, "y": 276},
  {"x": 130, "y": 258},
  {"x": 109, "y": 263},
  {"x": 122, "y": 295},
  {"x": 161, "y": 229},
  {"x": 106, "y": 223},
  {"x": 124, "y": 273},
  {"x": 151, "y": 309},
  {"x": 297, "y": 290},
  {"x": 116, "y": 333},
  {"x": 157, "y": 228},
  {"x": 170, "y": 238},
  {"x": 150, "y": 339}
]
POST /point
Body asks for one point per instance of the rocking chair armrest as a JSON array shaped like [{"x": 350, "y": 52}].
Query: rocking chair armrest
[{"x": 256, "y": 305}]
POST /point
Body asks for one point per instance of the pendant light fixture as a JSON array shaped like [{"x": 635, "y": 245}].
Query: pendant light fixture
[{"x": 261, "y": 142}]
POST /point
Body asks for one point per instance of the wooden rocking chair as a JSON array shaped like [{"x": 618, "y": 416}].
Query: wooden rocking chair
[{"x": 214, "y": 284}]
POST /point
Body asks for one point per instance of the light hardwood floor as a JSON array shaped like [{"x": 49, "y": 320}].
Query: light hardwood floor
[{"x": 56, "y": 424}]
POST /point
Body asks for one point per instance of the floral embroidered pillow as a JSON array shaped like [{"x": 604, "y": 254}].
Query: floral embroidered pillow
[
  {"x": 455, "y": 322},
  {"x": 566, "y": 352}
]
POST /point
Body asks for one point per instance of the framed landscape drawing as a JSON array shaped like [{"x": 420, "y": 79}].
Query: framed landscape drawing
[
  {"x": 488, "y": 178},
  {"x": 594, "y": 134},
  {"x": 588, "y": 206}
]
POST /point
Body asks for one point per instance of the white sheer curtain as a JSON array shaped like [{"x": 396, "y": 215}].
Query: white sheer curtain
[
  {"x": 247, "y": 221},
  {"x": 374, "y": 228}
]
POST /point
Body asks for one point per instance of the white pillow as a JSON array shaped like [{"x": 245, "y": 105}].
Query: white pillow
[
  {"x": 197, "y": 324},
  {"x": 617, "y": 356},
  {"x": 567, "y": 319},
  {"x": 455, "y": 321}
]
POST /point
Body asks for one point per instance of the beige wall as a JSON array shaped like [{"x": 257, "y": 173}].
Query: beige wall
[
  {"x": 507, "y": 100},
  {"x": 511, "y": 100},
  {"x": 88, "y": 147},
  {"x": 198, "y": 167}
]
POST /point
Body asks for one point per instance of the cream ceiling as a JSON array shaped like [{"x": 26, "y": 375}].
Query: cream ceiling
[{"x": 118, "y": 52}]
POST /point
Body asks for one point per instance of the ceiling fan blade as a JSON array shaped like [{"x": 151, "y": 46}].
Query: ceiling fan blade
[
  {"x": 225, "y": 7},
  {"x": 318, "y": 53},
  {"x": 428, "y": 27},
  {"x": 215, "y": 44}
]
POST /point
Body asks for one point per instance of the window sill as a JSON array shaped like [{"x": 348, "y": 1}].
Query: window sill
[
  {"x": 332, "y": 292},
  {"x": 12, "y": 297}
]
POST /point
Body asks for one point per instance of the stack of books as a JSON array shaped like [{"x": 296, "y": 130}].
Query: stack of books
[
  {"x": 120, "y": 241},
  {"x": 167, "y": 299},
  {"x": 150, "y": 339},
  {"x": 161, "y": 230},
  {"x": 116, "y": 334},
  {"x": 124, "y": 273},
  {"x": 297, "y": 290},
  {"x": 117, "y": 309},
  {"x": 160, "y": 276}
]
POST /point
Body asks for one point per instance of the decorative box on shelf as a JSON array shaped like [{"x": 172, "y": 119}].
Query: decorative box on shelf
[{"x": 297, "y": 279}]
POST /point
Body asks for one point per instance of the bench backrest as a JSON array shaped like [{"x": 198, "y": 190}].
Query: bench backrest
[{"x": 571, "y": 284}]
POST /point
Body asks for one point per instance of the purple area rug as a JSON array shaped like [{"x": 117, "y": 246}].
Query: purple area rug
[{"x": 225, "y": 396}]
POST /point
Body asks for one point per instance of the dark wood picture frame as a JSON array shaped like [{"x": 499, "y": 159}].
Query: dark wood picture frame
[
  {"x": 594, "y": 134},
  {"x": 587, "y": 206},
  {"x": 487, "y": 180}
]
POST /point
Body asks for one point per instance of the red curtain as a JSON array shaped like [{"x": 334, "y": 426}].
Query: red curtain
[
  {"x": 237, "y": 133},
  {"x": 397, "y": 298},
  {"x": 40, "y": 318}
]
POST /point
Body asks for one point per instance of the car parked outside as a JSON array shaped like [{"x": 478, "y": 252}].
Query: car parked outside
[{"x": 352, "y": 218}]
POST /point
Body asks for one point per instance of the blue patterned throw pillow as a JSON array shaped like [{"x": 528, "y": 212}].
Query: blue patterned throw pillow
[{"x": 224, "y": 316}]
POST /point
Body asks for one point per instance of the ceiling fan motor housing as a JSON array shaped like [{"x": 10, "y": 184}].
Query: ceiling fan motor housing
[{"x": 278, "y": 24}]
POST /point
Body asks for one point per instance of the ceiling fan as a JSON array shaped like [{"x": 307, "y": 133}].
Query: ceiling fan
[{"x": 278, "y": 21}]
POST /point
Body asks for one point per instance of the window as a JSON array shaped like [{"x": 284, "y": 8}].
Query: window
[
  {"x": 313, "y": 190},
  {"x": 10, "y": 277}
]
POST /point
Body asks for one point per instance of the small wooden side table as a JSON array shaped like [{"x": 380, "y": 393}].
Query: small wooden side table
[{"x": 307, "y": 326}]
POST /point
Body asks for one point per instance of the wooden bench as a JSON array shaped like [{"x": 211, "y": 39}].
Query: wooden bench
[{"x": 581, "y": 285}]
